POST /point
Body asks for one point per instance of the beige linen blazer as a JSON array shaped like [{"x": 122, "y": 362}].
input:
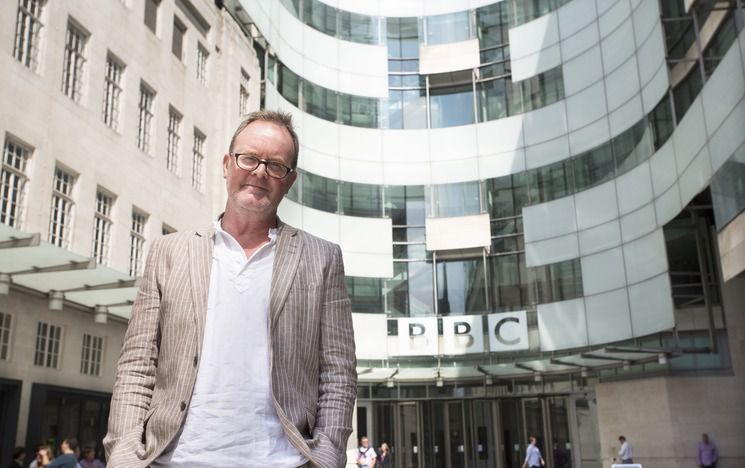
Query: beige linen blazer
[{"x": 312, "y": 357}]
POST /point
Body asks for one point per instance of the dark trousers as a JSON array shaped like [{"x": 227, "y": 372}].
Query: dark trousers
[{"x": 627, "y": 461}]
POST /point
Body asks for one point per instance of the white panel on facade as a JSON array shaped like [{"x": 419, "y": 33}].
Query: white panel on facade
[
  {"x": 369, "y": 235},
  {"x": 532, "y": 65},
  {"x": 553, "y": 250},
  {"x": 599, "y": 238},
  {"x": 360, "y": 144},
  {"x": 501, "y": 135},
  {"x": 452, "y": 56},
  {"x": 668, "y": 205},
  {"x": 501, "y": 164},
  {"x": 696, "y": 177},
  {"x": 728, "y": 137},
  {"x": 602, "y": 271},
  {"x": 320, "y": 135},
  {"x": 579, "y": 42},
  {"x": 407, "y": 173},
  {"x": 548, "y": 152},
  {"x": 368, "y": 265},
  {"x": 444, "y": 172},
  {"x": 453, "y": 143},
  {"x": 370, "y": 335},
  {"x": 322, "y": 224},
  {"x": 651, "y": 54},
  {"x": 608, "y": 317},
  {"x": 406, "y": 145},
  {"x": 582, "y": 71},
  {"x": 634, "y": 188},
  {"x": 323, "y": 164},
  {"x": 655, "y": 89},
  {"x": 612, "y": 18},
  {"x": 534, "y": 36},
  {"x": 368, "y": 63},
  {"x": 362, "y": 172},
  {"x": 550, "y": 219},
  {"x": 626, "y": 116},
  {"x": 575, "y": 15},
  {"x": 562, "y": 325},
  {"x": 586, "y": 106},
  {"x": 462, "y": 335},
  {"x": 461, "y": 232},
  {"x": 662, "y": 165},
  {"x": 590, "y": 136},
  {"x": 618, "y": 46},
  {"x": 646, "y": 17},
  {"x": 645, "y": 257},
  {"x": 545, "y": 123},
  {"x": 638, "y": 223},
  {"x": 291, "y": 213},
  {"x": 689, "y": 136},
  {"x": 622, "y": 83},
  {"x": 597, "y": 205},
  {"x": 508, "y": 331},
  {"x": 721, "y": 92},
  {"x": 651, "y": 306}
]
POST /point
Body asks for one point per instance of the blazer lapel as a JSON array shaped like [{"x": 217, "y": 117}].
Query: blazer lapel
[
  {"x": 200, "y": 266},
  {"x": 286, "y": 260}
]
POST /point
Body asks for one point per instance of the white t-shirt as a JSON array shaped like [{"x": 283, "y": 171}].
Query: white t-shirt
[
  {"x": 365, "y": 456},
  {"x": 231, "y": 420}
]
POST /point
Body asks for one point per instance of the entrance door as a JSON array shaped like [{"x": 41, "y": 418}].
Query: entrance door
[
  {"x": 484, "y": 428},
  {"x": 407, "y": 435}
]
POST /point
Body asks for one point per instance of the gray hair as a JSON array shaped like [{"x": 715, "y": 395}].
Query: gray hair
[{"x": 283, "y": 119}]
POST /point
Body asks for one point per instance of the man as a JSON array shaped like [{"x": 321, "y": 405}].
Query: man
[
  {"x": 67, "y": 459},
  {"x": 533, "y": 458},
  {"x": 707, "y": 453},
  {"x": 89, "y": 459},
  {"x": 365, "y": 454},
  {"x": 240, "y": 349},
  {"x": 626, "y": 453}
]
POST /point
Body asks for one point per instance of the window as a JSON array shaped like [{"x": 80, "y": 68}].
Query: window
[
  {"x": 145, "y": 118},
  {"x": 74, "y": 62},
  {"x": 60, "y": 222},
  {"x": 137, "y": 242},
  {"x": 174, "y": 139},
  {"x": 177, "y": 43},
  {"x": 48, "y": 339},
  {"x": 151, "y": 15},
  {"x": 5, "y": 322},
  {"x": 244, "y": 94},
  {"x": 102, "y": 227},
  {"x": 13, "y": 181},
  {"x": 202, "y": 55},
  {"x": 90, "y": 360},
  {"x": 112, "y": 92},
  {"x": 28, "y": 33},
  {"x": 197, "y": 161}
]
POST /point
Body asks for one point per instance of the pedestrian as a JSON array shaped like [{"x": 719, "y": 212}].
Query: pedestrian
[
  {"x": 67, "y": 459},
  {"x": 89, "y": 459},
  {"x": 533, "y": 458},
  {"x": 626, "y": 452},
  {"x": 44, "y": 457},
  {"x": 19, "y": 453},
  {"x": 385, "y": 458},
  {"x": 240, "y": 341},
  {"x": 365, "y": 454},
  {"x": 707, "y": 453},
  {"x": 561, "y": 459}
]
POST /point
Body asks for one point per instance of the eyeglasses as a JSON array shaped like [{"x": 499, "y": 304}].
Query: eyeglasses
[{"x": 250, "y": 163}]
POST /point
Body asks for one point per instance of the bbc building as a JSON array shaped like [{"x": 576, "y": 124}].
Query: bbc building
[{"x": 541, "y": 206}]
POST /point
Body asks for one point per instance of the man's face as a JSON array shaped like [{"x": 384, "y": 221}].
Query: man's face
[
  {"x": 365, "y": 443},
  {"x": 255, "y": 192},
  {"x": 64, "y": 447}
]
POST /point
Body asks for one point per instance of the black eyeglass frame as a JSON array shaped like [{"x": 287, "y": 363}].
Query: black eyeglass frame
[{"x": 266, "y": 164}]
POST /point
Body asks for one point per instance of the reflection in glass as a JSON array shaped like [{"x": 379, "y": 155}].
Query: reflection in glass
[
  {"x": 361, "y": 199},
  {"x": 451, "y": 27},
  {"x": 402, "y": 36},
  {"x": 593, "y": 167},
  {"x": 405, "y": 205},
  {"x": 407, "y": 108},
  {"x": 492, "y": 25},
  {"x": 410, "y": 292},
  {"x": 288, "y": 85},
  {"x": 458, "y": 199},
  {"x": 319, "y": 101},
  {"x": 461, "y": 287},
  {"x": 451, "y": 106},
  {"x": 365, "y": 294},
  {"x": 493, "y": 97},
  {"x": 319, "y": 192}
]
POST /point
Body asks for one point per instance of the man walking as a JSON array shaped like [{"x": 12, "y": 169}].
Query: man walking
[
  {"x": 240, "y": 349},
  {"x": 533, "y": 458},
  {"x": 626, "y": 453},
  {"x": 707, "y": 453},
  {"x": 67, "y": 458}
]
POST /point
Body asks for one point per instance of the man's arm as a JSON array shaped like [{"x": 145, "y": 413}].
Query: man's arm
[
  {"x": 337, "y": 386},
  {"x": 135, "y": 375}
]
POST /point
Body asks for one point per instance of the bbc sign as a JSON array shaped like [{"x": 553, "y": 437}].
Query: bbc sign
[{"x": 463, "y": 334}]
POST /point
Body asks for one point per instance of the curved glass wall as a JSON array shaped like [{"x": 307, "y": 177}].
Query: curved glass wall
[{"x": 436, "y": 29}]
